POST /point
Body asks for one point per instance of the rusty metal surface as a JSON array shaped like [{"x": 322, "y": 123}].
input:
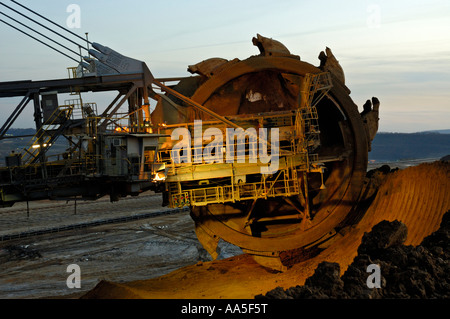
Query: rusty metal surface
[{"x": 271, "y": 82}]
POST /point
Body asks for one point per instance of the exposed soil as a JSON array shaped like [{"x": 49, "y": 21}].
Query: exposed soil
[
  {"x": 36, "y": 266},
  {"x": 161, "y": 257},
  {"x": 417, "y": 197},
  {"x": 405, "y": 271}
]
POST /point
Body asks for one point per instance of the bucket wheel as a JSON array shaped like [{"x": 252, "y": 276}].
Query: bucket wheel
[{"x": 264, "y": 228}]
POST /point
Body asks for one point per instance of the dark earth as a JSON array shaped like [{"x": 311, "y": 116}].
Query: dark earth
[{"x": 407, "y": 272}]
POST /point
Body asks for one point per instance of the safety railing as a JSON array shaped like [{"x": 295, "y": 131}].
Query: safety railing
[
  {"x": 243, "y": 149},
  {"x": 286, "y": 184}
]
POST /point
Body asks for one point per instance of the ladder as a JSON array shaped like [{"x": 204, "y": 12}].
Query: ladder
[{"x": 307, "y": 120}]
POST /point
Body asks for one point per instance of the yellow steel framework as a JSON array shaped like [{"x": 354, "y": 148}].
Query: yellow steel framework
[{"x": 298, "y": 139}]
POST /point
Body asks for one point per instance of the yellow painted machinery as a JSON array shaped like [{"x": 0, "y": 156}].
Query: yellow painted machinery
[
  {"x": 291, "y": 116},
  {"x": 270, "y": 153}
]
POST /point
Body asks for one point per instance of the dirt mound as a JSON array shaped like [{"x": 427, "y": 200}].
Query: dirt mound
[
  {"x": 417, "y": 197},
  {"x": 108, "y": 290},
  {"x": 405, "y": 271}
]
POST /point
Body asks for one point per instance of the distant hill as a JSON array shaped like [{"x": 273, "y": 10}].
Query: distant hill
[
  {"x": 385, "y": 146},
  {"x": 436, "y": 131},
  {"x": 18, "y": 144},
  {"x": 405, "y": 146},
  {"x": 20, "y": 131}
]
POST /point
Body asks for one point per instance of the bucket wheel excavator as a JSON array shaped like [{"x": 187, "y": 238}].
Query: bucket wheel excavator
[
  {"x": 269, "y": 153},
  {"x": 321, "y": 150}
]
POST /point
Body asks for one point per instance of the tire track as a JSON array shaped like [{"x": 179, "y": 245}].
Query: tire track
[{"x": 115, "y": 220}]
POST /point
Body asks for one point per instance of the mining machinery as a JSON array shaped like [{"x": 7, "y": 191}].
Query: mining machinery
[{"x": 269, "y": 153}]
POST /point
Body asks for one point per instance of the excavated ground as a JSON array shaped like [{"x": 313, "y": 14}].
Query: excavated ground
[
  {"x": 115, "y": 258},
  {"x": 417, "y": 196},
  {"x": 405, "y": 271},
  {"x": 36, "y": 266}
]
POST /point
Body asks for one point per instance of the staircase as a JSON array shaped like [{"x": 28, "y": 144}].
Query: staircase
[{"x": 47, "y": 134}]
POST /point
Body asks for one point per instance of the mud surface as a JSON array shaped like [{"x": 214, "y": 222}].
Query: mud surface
[{"x": 36, "y": 267}]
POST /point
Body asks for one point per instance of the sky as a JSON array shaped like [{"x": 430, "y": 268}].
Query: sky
[{"x": 397, "y": 50}]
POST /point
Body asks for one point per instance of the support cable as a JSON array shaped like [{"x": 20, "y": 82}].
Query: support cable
[
  {"x": 53, "y": 23},
  {"x": 43, "y": 35},
  {"x": 39, "y": 40},
  {"x": 40, "y": 24}
]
